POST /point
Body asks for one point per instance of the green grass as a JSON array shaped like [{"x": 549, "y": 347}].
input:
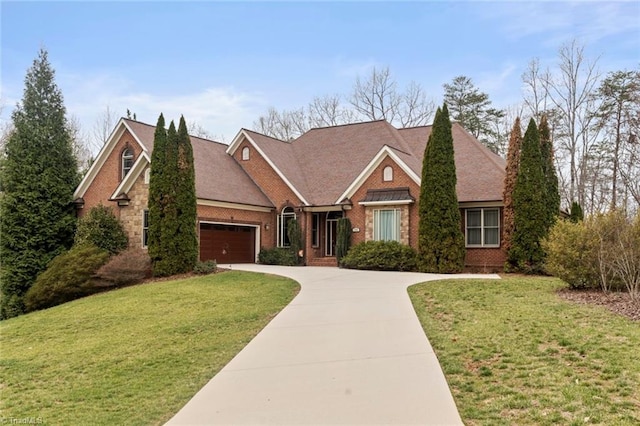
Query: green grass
[
  {"x": 132, "y": 356},
  {"x": 513, "y": 352}
]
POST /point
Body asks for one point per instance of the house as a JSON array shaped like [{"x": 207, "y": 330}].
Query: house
[{"x": 249, "y": 190}]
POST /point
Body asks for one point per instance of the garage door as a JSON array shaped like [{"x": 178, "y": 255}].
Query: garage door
[{"x": 227, "y": 243}]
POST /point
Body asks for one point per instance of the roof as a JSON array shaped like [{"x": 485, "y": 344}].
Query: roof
[
  {"x": 388, "y": 195},
  {"x": 323, "y": 163},
  {"x": 218, "y": 176}
]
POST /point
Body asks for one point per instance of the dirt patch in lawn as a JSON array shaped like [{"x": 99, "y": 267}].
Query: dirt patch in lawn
[{"x": 620, "y": 303}]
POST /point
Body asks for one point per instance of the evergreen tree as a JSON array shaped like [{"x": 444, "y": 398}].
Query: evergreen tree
[
  {"x": 186, "y": 203},
  {"x": 576, "y": 214},
  {"x": 441, "y": 243},
  {"x": 511, "y": 175},
  {"x": 530, "y": 210},
  {"x": 39, "y": 175},
  {"x": 157, "y": 189},
  {"x": 343, "y": 238},
  {"x": 549, "y": 169}
]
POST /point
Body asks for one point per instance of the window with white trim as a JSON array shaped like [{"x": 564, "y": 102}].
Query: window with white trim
[
  {"x": 315, "y": 230},
  {"x": 284, "y": 218},
  {"x": 386, "y": 224},
  {"x": 482, "y": 227},
  {"x": 145, "y": 228},
  {"x": 245, "y": 153},
  {"x": 387, "y": 174},
  {"x": 127, "y": 161}
]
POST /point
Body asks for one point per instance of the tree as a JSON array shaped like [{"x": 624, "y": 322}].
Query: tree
[
  {"x": 102, "y": 229},
  {"x": 343, "y": 238},
  {"x": 472, "y": 109},
  {"x": 530, "y": 212},
  {"x": 39, "y": 175},
  {"x": 576, "y": 214},
  {"x": 549, "y": 168},
  {"x": 619, "y": 119},
  {"x": 511, "y": 176},
  {"x": 186, "y": 240},
  {"x": 440, "y": 242},
  {"x": 158, "y": 192},
  {"x": 103, "y": 126}
]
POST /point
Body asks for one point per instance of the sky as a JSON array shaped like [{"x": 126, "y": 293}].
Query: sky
[{"x": 223, "y": 64}]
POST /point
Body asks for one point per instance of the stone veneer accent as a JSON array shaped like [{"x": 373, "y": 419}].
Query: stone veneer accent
[
  {"x": 131, "y": 216},
  {"x": 404, "y": 221}
]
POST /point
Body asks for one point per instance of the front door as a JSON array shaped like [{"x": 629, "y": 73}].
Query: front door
[{"x": 331, "y": 231}]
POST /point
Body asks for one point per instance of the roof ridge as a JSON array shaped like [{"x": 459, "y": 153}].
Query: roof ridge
[
  {"x": 355, "y": 123},
  {"x": 262, "y": 134}
]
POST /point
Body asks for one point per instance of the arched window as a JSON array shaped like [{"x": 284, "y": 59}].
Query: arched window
[
  {"x": 284, "y": 218},
  {"x": 127, "y": 161},
  {"x": 387, "y": 174},
  {"x": 245, "y": 153}
]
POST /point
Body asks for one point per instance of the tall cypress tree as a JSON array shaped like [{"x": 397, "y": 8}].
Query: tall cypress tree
[
  {"x": 511, "y": 175},
  {"x": 440, "y": 242},
  {"x": 530, "y": 210},
  {"x": 39, "y": 175},
  {"x": 157, "y": 188},
  {"x": 549, "y": 169},
  {"x": 186, "y": 203}
]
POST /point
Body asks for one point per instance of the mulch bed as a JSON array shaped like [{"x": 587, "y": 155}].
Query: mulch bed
[{"x": 617, "y": 302}]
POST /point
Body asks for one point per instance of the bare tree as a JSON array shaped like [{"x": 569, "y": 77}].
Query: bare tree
[
  {"x": 79, "y": 139},
  {"x": 284, "y": 125},
  {"x": 102, "y": 127},
  {"x": 570, "y": 92},
  {"x": 328, "y": 110},
  {"x": 415, "y": 108}
]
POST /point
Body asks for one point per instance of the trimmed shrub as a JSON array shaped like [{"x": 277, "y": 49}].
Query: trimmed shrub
[
  {"x": 295, "y": 239},
  {"x": 67, "y": 277},
  {"x": 129, "y": 267},
  {"x": 381, "y": 256},
  {"x": 205, "y": 268},
  {"x": 278, "y": 256},
  {"x": 101, "y": 228}
]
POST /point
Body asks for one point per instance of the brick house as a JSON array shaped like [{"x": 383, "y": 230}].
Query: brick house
[{"x": 248, "y": 191}]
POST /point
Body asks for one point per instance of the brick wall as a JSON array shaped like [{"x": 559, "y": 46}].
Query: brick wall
[
  {"x": 109, "y": 176},
  {"x": 131, "y": 216}
]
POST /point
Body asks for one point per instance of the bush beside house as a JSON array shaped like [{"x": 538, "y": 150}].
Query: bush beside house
[{"x": 381, "y": 256}]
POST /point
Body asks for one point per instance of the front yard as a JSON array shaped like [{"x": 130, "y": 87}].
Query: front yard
[
  {"x": 514, "y": 352},
  {"x": 132, "y": 356}
]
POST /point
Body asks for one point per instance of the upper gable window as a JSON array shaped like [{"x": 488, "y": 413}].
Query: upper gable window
[
  {"x": 387, "y": 174},
  {"x": 127, "y": 161},
  {"x": 245, "y": 153}
]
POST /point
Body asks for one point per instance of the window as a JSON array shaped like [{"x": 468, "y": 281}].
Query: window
[
  {"x": 127, "y": 161},
  {"x": 283, "y": 226},
  {"x": 315, "y": 230},
  {"x": 483, "y": 227},
  {"x": 145, "y": 228},
  {"x": 245, "y": 153},
  {"x": 387, "y": 174},
  {"x": 386, "y": 225}
]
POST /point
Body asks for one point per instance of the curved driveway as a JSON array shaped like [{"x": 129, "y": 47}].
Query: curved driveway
[{"x": 348, "y": 350}]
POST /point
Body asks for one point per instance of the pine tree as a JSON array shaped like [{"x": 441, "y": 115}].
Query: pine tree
[
  {"x": 511, "y": 175},
  {"x": 343, "y": 238},
  {"x": 530, "y": 210},
  {"x": 39, "y": 175},
  {"x": 186, "y": 203},
  {"x": 576, "y": 214},
  {"x": 549, "y": 169},
  {"x": 441, "y": 243}
]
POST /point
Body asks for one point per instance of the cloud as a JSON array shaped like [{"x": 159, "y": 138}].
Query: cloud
[{"x": 221, "y": 111}]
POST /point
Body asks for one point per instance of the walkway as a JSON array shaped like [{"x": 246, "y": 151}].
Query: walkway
[{"x": 348, "y": 350}]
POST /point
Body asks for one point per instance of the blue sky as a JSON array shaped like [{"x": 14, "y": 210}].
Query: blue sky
[{"x": 223, "y": 64}]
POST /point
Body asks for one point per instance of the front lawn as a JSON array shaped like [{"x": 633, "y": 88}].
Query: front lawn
[
  {"x": 513, "y": 352},
  {"x": 132, "y": 356}
]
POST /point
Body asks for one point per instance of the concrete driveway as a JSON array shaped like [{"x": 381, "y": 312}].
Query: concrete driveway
[{"x": 348, "y": 350}]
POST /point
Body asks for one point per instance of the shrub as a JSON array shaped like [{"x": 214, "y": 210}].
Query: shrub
[
  {"x": 205, "y": 268},
  {"x": 381, "y": 256},
  {"x": 571, "y": 254},
  {"x": 343, "y": 239},
  {"x": 129, "y": 267},
  {"x": 295, "y": 239},
  {"x": 67, "y": 277},
  {"x": 278, "y": 256},
  {"x": 102, "y": 229}
]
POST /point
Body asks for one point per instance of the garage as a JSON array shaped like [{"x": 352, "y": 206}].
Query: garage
[{"x": 227, "y": 243}]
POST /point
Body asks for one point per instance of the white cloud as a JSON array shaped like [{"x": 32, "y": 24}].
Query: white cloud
[{"x": 222, "y": 111}]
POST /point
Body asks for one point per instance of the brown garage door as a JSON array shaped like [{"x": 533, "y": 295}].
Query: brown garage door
[{"x": 227, "y": 243}]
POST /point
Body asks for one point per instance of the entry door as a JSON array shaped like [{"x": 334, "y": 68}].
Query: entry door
[{"x": 331, "y": 231}]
